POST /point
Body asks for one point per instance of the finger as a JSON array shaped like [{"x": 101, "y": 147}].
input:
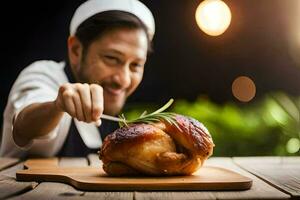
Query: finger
[
  {"x": 64, "y": 87},
  {"x": 98, "y": 122},
  {"x": 68, "y": 102},
  {"x": 59, "y": 102},
  {"x": 85, "y": 96},
  {"x": 78, "y": 107},
  {"x": 97, "y": 101}
]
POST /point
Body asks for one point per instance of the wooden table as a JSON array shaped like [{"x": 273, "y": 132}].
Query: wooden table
[{"x": 273, "y": 178}]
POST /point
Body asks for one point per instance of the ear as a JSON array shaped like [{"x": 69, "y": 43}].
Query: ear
[{"x": 74, "y": 51}]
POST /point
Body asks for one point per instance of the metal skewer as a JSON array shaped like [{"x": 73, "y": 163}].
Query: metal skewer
[{"x": 111, "y": 118}]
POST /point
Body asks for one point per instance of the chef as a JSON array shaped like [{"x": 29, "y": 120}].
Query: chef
[{"x": 53, "y": 107}]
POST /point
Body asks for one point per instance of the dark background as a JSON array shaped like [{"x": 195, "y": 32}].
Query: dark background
[{"x": 186, "y": 62}]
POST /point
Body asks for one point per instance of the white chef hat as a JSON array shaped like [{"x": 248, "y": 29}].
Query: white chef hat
[{"x": 92, "y": 7}]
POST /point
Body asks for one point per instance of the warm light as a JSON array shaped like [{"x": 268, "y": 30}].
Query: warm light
[
  {"x": 243, "y": 88},
  {"x": 213, "y": 17},
  {"x": 293, "y": 30}
]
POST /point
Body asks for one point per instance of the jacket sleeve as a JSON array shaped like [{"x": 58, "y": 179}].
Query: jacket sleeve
[{"x": 37, "y": 83}]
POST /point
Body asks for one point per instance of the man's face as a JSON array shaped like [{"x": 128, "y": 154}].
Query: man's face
[{"x": 116, "y": 62}]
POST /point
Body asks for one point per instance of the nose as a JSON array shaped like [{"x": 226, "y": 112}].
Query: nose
[{"x": 123, "y": 77}]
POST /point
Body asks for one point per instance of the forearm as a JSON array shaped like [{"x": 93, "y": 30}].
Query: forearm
[{"x": 34, "y": 121}]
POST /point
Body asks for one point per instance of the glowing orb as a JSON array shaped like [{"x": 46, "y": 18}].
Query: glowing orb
[
  {"x": 213, "y": 17},
  {"x": 243, "y": 88}
]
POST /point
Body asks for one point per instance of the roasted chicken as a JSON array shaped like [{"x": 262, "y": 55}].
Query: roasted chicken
[{"x": 157, "y": 149}]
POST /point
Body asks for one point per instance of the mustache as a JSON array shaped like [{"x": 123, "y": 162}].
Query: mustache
[{"x": 113, "y": 85}]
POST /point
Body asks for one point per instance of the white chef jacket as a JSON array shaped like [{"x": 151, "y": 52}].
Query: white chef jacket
[{"x": 37, "y": 83}]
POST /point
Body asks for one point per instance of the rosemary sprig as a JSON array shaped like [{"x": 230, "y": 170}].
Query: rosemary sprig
[{"x": 156, "y": 116}]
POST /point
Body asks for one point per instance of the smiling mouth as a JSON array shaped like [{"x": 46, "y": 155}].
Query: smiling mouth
[{"x": 114, "y": 91}]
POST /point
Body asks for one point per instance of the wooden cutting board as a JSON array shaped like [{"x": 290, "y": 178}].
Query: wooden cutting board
[{"x": 94, "y": 178}]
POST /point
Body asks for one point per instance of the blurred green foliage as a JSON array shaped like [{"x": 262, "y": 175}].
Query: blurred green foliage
[{"x": 266, "y": 127}]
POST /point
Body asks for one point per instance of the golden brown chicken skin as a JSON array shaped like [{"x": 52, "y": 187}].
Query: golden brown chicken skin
[{"x": 157, "y": 149}]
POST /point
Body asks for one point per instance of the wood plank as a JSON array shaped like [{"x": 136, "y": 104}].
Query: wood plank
[
  {"x": 174, "y": 195},
  {"x": 259, "y": 190},
  {"x": 49, "y": 190},
  {"x": 7, "y": 162},
  {"x": 11, "y": 171},
  {"x": 108, "y": 195},
  {"x": 268, "y": 160},
  {"x": 291, "y": 160},
  {"x": 54, "y": 190},
  {"x": 41, "y": 163},
  {"x": 9, "y": 187},
  {"x": 94, "y": 161},
  {"x": 260, "y": 159},
  {"x": 95, "y": 179},
  {"x": 190, "y": 195},
  {"x": 283, "y": 173}
]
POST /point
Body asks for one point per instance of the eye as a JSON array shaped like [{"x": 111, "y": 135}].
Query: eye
[
  {"x": 111, "y": 59},
  {"x": 137, "y": 65}
]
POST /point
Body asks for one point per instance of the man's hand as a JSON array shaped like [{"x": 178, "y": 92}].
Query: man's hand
[{"x": 82, "y": 101}]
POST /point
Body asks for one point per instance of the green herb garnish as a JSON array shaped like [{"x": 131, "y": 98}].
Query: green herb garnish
[{"x": 156, "y": 116}]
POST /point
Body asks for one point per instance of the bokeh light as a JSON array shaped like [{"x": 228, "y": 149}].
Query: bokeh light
[
  {"x": 293, "y": 29},
  {"x": 293, "y": 145},
  {"x": 243, "y": 88},
  {"x": 213, "y": 17}
]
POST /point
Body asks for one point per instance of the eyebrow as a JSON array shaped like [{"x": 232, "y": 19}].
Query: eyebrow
[
  {"x": 121, "y": 53},
  {"x": 116, "y": 51}
]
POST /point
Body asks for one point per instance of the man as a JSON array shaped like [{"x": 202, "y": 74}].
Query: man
[{"x": 53, "y": 107}]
